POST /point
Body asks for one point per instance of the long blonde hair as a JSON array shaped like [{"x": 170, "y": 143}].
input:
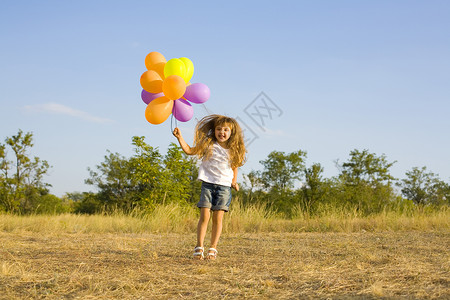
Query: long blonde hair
[{"x": 205, "y": 137}]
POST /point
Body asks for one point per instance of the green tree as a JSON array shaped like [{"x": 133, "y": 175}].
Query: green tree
[
  {"x": 366, "y": 181},
  {"x": 21, "y": 179},
  {"x": 282, "y": 170},
  {"x": 50, "y": 204},
  {"x": 424, "y": 187},
  {"x": 113, "y": 180},
  {"x": 195, "y": 186},
  {"x": 314, "y": 188},
  {"x": 85, "y": 202},
  {"x": 145, "y": 179},
  {"x": 251, "y": 189},
  {"x": 368, "y": 168},
  {"x": 178, "y": 175}
]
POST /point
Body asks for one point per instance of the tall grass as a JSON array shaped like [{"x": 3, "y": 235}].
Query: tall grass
[{"x": 175, "y": 218}]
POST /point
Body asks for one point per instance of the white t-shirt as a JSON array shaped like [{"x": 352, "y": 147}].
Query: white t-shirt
[{"x": 216, "y": 169}]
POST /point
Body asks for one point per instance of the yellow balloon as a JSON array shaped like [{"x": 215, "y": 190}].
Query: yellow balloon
[
  {"x": 189, "y": 68},
  {"x": 175, "y": 66},
  {"x": 158, "y": 110}
]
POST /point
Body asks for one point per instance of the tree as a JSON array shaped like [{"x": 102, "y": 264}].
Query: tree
[
  {"x": 50, "y": 204},
  {"x": 282, "y": 170},
  {"x": 424, "y": 187},
  {"x": 313, "y": 190},
  {"x": 145, "y": 179},
  {"x": 195, "y": 186},
  {"x": 114, "y": 181},
  {"x": 251, "y": 189},
  {"x": 179, "y": 172},
  {"x": 84, "y": 203},
  {"x": 366, "y": 181},
  {"x": 163, "y": 179},
  {"x": 21, "y": 179},
  {"x": 368, "y": 168}
]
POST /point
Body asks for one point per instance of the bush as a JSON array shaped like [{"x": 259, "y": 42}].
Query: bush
[{"x": 50, "y": 204}]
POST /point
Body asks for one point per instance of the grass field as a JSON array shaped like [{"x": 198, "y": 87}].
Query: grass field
[{"x": 124, "y": 257}]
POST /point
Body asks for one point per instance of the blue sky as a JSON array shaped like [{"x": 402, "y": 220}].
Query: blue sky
[{"x": 344, "y": 74}]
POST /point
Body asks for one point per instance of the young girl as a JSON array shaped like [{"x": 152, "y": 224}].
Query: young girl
[{"x": 219, "y": 142}]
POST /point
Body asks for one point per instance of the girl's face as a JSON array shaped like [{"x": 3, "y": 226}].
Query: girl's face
[{"x": 223, "y": 133}]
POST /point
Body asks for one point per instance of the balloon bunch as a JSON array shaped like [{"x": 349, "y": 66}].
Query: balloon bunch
[{"x": 166, "y": 88}]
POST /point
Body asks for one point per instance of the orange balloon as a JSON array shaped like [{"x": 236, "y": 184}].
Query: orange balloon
[
  {"x": 154, "y": 58},
  {"x": 158, "y": 110},
  {"x": 174, "y": 87},
  {"x": 151, "y": 82},
  {"x": 159, "y": 68}
]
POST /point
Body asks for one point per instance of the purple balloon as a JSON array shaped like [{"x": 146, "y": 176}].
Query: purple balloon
[
  {"x": 197, "y": 93},
  {"x": 182, "y": 110},
  {"x": 147, "y": 97}
]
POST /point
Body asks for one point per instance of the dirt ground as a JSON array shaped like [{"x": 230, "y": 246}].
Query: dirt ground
[{"x": 390, "y": 265}]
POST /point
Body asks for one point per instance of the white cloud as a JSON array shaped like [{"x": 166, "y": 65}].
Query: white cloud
[{"x": 59, "y": 109}]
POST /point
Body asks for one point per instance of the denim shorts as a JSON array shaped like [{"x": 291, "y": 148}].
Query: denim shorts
[{"x": 215, "y": 196}]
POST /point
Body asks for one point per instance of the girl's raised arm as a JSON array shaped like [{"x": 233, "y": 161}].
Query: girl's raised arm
[{"x": 186, "y": 148}]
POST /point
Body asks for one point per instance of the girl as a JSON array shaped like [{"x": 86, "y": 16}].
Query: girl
[{"x": 219, "y": 142}]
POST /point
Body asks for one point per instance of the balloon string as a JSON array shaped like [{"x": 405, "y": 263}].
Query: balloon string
[
  {"x": 171, "y": 123},
  {"x": 176, "y": 123},
  {"x": 207, "y": 110}
]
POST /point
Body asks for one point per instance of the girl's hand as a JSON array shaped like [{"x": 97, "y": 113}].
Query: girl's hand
[
  {"x": 177, "y": 133},
  {"x": 235, "y": 186}
]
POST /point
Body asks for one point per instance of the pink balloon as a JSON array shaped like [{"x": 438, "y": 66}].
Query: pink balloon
[
  {"x": 147, "y": 97},
  {"x": 197, "y": 93},
  {"x": 182, "y": 110}
]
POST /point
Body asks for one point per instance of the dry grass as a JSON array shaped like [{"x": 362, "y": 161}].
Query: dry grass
[
  {"x": 361, "y": 265},
  {"x": 261, "y": 256},
  {"x": 173, "y": 218}
]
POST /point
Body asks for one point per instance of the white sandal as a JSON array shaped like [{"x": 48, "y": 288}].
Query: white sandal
[
  {"x": 212, "y": 255},
  {"x": 199, "y": 253}
]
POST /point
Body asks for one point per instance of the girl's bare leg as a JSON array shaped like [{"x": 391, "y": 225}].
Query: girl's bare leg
[
  {"x": 202, "y": 225},
  {"x": 216, "y": 227}
]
